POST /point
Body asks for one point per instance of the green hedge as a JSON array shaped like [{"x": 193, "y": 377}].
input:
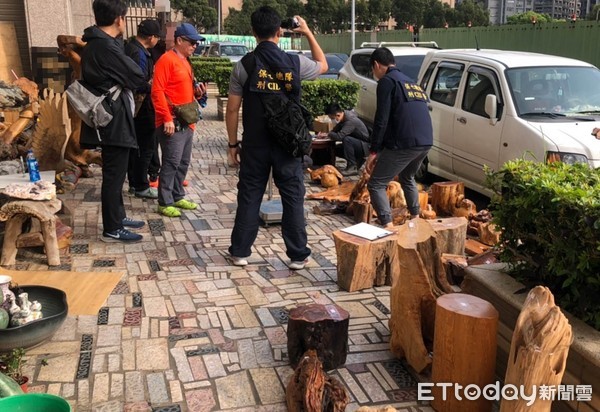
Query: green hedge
[
  {"x": 222, "y": 76},
  {"x": 550, "y": 220},
  {"x": 205, "y": 68},
  {"x": 316, "y": 94}
]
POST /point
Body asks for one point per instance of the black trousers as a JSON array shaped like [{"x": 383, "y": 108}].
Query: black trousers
[
  {"x": 114, "y": 168},
  {"x": 354, "y": 150},
  {"x": 139, "y": 160},
  {"x": 255, "y": 168}
]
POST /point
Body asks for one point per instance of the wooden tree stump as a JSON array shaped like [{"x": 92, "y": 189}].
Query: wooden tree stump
[
  {"x": 320, "y": 327},
  {"x": 451, "y": 234},
  {"x": 423, "y": 200},
  {"x": 362, "y": 211},
  {"x": 362, "y": 263},
  {"x": 311, "y": 390},
  {"x": 444, "y": 197},
  {"x": 538, "y": 350},
  {"x": 463, "y": 321},
  {"x": 420, "y": 281}
]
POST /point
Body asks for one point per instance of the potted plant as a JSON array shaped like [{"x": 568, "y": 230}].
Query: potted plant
[{"x": 11, "y": 364}]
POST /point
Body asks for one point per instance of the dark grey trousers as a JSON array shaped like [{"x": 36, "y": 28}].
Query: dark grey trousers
[
  {"x": 405, "y": 163},
  {"x": 176, "y": 155}
]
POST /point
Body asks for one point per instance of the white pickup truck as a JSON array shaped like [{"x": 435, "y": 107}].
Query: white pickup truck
[{"x": 491, "y": 106}]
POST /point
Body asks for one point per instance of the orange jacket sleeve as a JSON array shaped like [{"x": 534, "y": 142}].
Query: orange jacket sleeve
[{"x": 162, "y": 71}]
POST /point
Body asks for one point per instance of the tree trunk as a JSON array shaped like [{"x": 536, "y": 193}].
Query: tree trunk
[
  {"x": 445, "y": 195},
  {"x": 538, "y": 350},
  {"x": 421, "y": 280},
  {"x": 463, "y": 321},
  {"x": 364, "y": 263},
  {"x": 320, "y": 327},
  {"x": 451, "y": 234},
  {"x": 423, "y": 200},
  {"x": 362, "y": 211}
]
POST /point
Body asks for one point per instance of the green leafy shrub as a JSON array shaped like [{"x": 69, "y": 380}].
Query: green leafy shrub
[
  {"x": 222, "y": 76},
  {"x": 316, "y": 94},
  {"x": 205, "y": 67},
  {"x": 550, "y": 220}
]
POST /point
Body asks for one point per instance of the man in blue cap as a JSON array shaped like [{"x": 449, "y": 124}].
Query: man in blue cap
[
  {"x": 138, "y": 49},
  {"x": 174, "y": 85}
]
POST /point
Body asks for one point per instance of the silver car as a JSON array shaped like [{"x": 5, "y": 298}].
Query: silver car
[
  {"x": 230, "y": 50},
  {"x": 408, "y": 56}
]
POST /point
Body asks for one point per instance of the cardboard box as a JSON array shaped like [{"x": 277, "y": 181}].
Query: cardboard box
[{"x": 322, "y": 124}]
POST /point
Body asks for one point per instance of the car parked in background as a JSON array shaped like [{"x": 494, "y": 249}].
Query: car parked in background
[
  {"x": 408, "y": 57},
  {"x": 334, "y": 63},
  {"x": 492, "y": 106},
  {"x": 201, "y": 50},
  {"x": 230, "y": 50}
]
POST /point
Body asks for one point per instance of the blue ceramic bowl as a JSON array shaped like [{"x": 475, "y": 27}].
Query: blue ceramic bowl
[{"x": 54, "y": 310}]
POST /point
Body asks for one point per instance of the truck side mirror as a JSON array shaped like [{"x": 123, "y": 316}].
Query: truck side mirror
[{"x": 491, "y": 108}]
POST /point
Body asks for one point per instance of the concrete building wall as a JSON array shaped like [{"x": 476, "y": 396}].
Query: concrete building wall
[{"x": 46, "y": 20}]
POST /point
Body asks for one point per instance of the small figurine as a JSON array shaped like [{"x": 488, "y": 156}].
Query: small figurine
[
  {"x": 14, "y": 308},
  {"x": 36, "y": 310}
]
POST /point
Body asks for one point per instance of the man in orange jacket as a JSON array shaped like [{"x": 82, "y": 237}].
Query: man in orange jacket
[{"x": 174, "y": 85}]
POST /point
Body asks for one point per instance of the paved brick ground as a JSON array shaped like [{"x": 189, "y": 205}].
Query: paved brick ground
[{"x": 184, "y": 330}]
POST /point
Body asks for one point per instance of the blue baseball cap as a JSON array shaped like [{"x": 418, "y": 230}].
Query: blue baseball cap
[{"x": 189, "y": 31}]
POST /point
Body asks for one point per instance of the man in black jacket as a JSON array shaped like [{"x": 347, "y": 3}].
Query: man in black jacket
[
  {"x": 353, "y": 134},
  {"x": 104, "y": 65},
  {"x": 139, "y": 50},
  {"x": 402, "y": 135}
]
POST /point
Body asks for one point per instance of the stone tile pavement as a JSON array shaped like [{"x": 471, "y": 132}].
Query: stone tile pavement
[{"x": 186, "y": 331}]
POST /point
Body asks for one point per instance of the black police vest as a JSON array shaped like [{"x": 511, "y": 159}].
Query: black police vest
[{"x": 270, "y": 70}]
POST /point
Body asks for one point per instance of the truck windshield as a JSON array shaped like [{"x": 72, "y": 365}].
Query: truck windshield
[{"x": 570, "y": 91}]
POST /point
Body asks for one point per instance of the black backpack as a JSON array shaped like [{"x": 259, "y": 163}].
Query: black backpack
[{"x": 288, "y": 122}]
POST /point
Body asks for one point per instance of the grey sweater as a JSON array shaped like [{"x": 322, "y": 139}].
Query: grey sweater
[{"x": 350, "y": 126}]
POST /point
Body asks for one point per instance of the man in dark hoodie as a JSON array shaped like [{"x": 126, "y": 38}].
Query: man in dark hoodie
[
  {"x": 138, "y": 49},
  {"x": 104, "y": 65},
  {"x": 353, "y": 134}
]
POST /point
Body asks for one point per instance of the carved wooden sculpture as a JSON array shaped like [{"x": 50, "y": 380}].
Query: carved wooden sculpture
[
  {"x": 445, "y": 196},
  {"x": 71, "y": 47},
  {"x": 52, "y": 132},
  {"x": 464, "y": 207},
  {"x": 421, "y": 280},
  {"x": 339, "y": 193},
  {"x": 395, "y": 194},
  {"x": 538, "y": 350},
  {"x": 328, "y": 175},
  {"x": 311, "y": 390}
]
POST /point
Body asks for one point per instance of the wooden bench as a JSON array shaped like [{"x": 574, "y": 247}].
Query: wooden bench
[{"x": 15, "y": 213}]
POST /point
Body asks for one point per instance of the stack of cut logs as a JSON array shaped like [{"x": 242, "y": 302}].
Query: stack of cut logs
[{"x": 445, "y": 199}]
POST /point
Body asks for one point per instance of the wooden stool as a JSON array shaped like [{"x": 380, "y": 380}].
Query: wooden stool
[
  {"x": 320, "y": 327},
  {"x": 362, "y": 263},
  {"x": 464, "y": 350},
  {"x": 15, "y": 213}
]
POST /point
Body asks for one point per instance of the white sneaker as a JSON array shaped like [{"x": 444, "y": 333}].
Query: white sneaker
[
  {"x": 238, "y": 261},
  {"x": 297, "y": 265}
]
